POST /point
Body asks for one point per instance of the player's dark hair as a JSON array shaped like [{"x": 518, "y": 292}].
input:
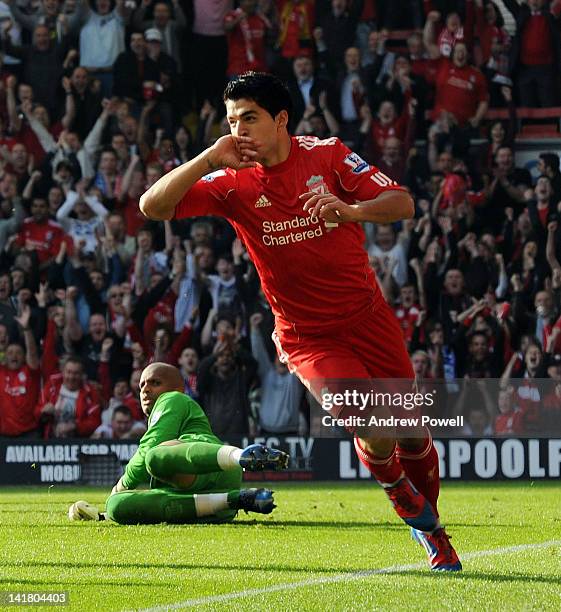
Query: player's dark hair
[{"x": 266, "y": 90}]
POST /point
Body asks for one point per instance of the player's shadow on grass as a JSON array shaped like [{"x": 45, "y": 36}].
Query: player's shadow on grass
[
  {"x": 467, "y": 574},
  {"x": 344, "y": 525},
  {"x": 272, "y": 567}
]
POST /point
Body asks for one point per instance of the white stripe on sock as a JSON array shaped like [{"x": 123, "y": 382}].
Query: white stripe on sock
[{"x": 207, "y": 504}]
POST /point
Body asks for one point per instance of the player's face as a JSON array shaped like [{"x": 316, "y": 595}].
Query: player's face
[
  {"x": 247, "y": 118},
  {"x": 152, "y": 385}
]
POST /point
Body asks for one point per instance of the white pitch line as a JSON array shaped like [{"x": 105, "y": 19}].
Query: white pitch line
[{"x": 347, "y": 577}]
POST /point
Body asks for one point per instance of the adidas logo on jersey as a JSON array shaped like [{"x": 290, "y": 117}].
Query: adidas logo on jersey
[{"x": 262, "y": 202}]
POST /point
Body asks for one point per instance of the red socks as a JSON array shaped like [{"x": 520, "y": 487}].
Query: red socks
[
  {"x": 421, "y": 467},
  {"x": 386, "y": 471}
]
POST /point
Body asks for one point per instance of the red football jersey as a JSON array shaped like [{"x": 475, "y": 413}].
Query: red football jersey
[
  {"x": 407, "y": 318},
  {"x": 315, "y": 278},
  {"x": 45, "y": 238},
  {"x": 459, "y": 90},
  {"x": 246, "y": 44},
  {"x": 19, "y": 393}
]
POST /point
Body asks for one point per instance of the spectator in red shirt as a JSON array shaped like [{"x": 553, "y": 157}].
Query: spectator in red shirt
[
  {"x": 388, "y": 124},
  {"x": 245, "y": 31},
  {"x": 535, "y": 58},
  {"x": 20, "y": 380},
  {"x": 407, "y": 311},
  {"x": 40, "y": 234},
  {"x": 448, "y": 35},
  {"x": 69, "y": 405},
  {"x": 296, "y": 22},
  {"x": 461, "y": 89},
  {"x": 508, "y": 421},
  {"x": 493, "y": 38}
]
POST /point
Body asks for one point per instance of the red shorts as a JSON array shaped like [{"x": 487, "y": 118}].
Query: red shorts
[{"x": 373, "y": 348}]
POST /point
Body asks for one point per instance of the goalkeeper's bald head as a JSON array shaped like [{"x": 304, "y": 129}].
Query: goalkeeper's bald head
[{"x": 158, "y": 378}]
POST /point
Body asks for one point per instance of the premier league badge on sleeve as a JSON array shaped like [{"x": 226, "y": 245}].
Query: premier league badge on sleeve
[{"x": 357, "y": 164}]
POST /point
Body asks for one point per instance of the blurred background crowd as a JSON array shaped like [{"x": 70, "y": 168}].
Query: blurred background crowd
[{"x": 98, "y": 101}]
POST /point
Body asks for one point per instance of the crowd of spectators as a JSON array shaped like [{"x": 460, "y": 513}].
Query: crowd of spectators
[{"x": 98, "y": 101}]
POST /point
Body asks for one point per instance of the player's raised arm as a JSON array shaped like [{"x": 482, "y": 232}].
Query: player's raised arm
[{"x": 160, "y": 200}]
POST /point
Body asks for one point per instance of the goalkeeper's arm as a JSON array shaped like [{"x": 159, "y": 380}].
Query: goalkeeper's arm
[{"x": 172, "y": 415}]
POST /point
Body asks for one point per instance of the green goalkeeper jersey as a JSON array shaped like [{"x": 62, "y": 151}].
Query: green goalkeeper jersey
[{"x": 174, "y": 416}]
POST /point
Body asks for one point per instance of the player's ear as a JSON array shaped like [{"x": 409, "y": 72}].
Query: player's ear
[{"x": 282, "y": 119}]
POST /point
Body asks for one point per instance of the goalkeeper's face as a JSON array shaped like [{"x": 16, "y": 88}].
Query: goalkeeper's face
[
  {"x": 151, "y": 387},
  {"x": 156, "y": 379}
]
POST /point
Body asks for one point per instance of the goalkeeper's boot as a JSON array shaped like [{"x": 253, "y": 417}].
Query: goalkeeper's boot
[
  {"x": 442, "y": 556},
  {"x": 256, "y": 500},
  {"x": 258, "y": 457},
  {"x": 82, "y": 511},
  {"x": 411, "y": 506}
]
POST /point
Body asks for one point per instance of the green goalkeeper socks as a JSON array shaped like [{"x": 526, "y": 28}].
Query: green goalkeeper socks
[
  {"x": 195, "y": 458},
  {"x": 166, "y": 506}
]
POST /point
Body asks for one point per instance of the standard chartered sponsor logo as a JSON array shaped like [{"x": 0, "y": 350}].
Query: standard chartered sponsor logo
[{"x": 309, "y": 227}]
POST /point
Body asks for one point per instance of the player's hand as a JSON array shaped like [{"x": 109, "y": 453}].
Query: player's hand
[
  {"x": 118, "y": 487},
  {"x": 328, "y": 207},
  {"x": 234, "y": 152}
]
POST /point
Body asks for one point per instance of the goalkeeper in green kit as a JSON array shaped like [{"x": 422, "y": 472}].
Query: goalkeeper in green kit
[{"x": 193, "y": 476}]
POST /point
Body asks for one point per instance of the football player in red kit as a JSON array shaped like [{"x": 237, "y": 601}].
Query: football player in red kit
[{"x": 297, "y": 203}]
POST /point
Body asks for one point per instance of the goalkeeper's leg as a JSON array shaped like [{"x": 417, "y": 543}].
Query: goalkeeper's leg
[
  {"x": 169, "y": 506},
  {"x": 180, "y": 462},
  {"x": 215, "y": 497}
]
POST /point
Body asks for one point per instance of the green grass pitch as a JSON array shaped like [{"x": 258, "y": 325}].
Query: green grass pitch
[{"x": 304, "y": 556}]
